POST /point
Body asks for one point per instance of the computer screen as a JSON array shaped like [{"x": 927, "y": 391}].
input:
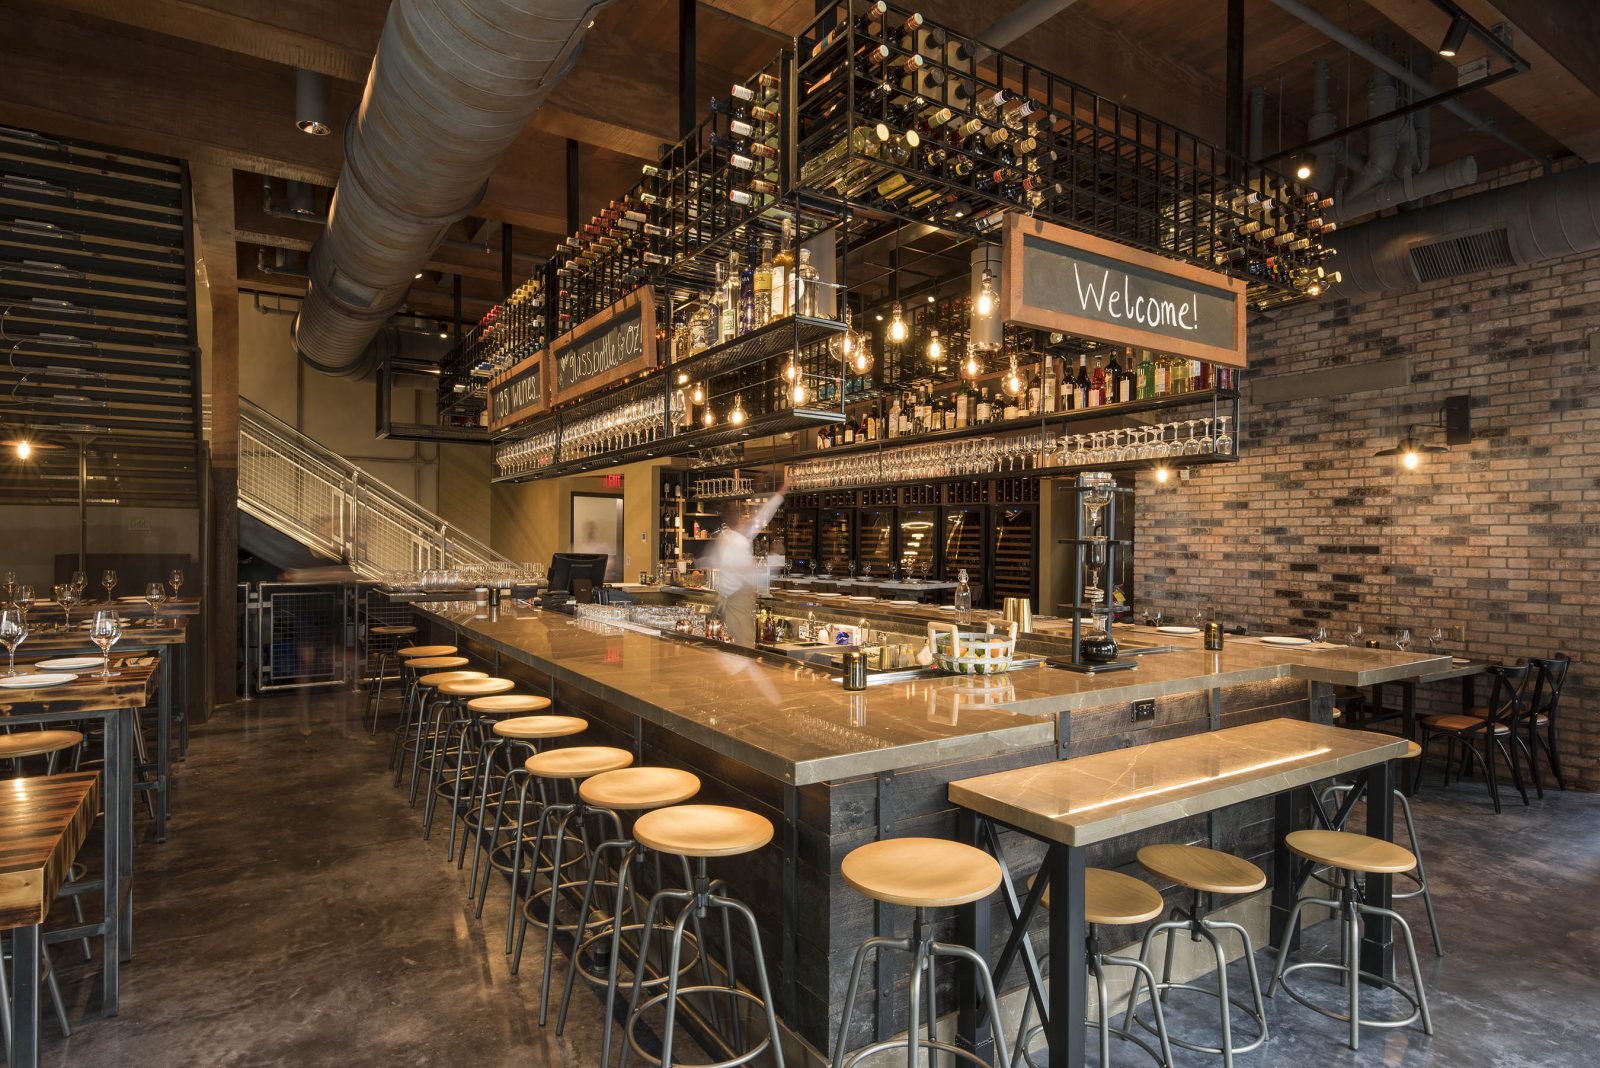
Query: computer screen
[{"x": 564, "y": 567}]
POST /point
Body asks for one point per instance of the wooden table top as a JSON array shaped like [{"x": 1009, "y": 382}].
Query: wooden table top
[
  {"x": 132, "y": 689},
  {"x": 61, "y": 642},
  {"x": 1089, "y": 799},
  {"x": 137, "y": 608},
  {"x": 1457, "y": 671},
  {"x": 44, "y": 821}
]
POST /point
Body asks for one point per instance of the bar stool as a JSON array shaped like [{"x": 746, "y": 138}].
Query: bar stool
[
  {"x": 1419, "y": 875},
  {"x": 409, "y": 671},
  {"x": 923, "y": 873},
  {"x": 389, "y": 637},
  {"x": 698, "y": 832},
  {"x": 522, "y": 732},
  {"x": 432, "y": 672},
  {"x": 625, "y": 792},
  {"x": 451, "y": 719},
  {"x": 49, "y": 744},
  {"x": 549, "y": 769},
  {"x": 487, "y": 711},
  {"x": 1110, "y": 898},
  {"x": 1204, "y": 871},
  {"x": 1352, "y": 854}
]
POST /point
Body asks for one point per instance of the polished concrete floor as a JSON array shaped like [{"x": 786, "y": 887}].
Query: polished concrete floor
[{"x": 295, "y": 917}]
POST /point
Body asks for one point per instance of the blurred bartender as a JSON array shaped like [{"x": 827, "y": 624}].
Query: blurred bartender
[{"x": 739, "y": 577}]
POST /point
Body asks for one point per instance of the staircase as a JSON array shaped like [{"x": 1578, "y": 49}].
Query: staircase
[{"x": 322, "y": 501}]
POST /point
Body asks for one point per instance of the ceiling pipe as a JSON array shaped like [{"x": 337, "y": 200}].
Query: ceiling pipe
[
  {"x": 452, "y": 86},
  {"x": 1383, "y": 139},
  {"x": 1457, "y": 174},
  {"x": 1422, "y": 86},
  {"x": 1024, "y": 19},
  {"x": 1258, "y": 121},
  {"x": 1541, "y": 219},
  {"x": 1322, "y": 123}
]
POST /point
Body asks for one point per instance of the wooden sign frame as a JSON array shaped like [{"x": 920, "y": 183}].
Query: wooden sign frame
[
  {"x": 538, "y": 363},
  {"x": 643, "y": 300},
  {"x": 1014, "y": 309}
]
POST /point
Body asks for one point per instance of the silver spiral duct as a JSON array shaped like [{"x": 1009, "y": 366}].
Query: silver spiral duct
[
  {"x": 1541, "y": 219},
  {"x": 451, "y": 87}
]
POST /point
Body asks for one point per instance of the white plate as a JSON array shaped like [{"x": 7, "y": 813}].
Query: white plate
[
  {"x": 36, "y": 680},
  {"x": 132, "y": 597},
  {"x": 902, "y": 601},
  {"x": 863, "y": 598},
  {"x": 1179, "y": 630},
  {"x": 69, "y": 663},
  {"x": 947, "y": 608},
  {"x": 829, "y": 593},
  {"x": 1285, "y": 639},
  {"x": 1460, "y": 660}
]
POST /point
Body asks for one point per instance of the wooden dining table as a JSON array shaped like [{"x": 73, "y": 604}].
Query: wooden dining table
[
  {"x": 111, "y": 703},
  {"x": 1072, "y": 804},
  {"x": 44, "y": 821}
]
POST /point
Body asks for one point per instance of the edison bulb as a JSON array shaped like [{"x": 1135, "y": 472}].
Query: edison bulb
[
  {"x": 797, "y": 393},
  {"x": 897, "y": 324},
  {"x": 1012, "y": 383},
  {"x": 791, "y": 372},
  {"x": 1162, "y": 474},
  {"x": 1410, "y": 459},
  {"x": 24, "y": 450},
  {"x": 699, "y": 395},
  {"x": 986, "y": 295},
  {"x": 935, "y": 346},
  {"x": 863, "y": 361},
  {"x": 736, "y": 417},
  {"x": 970, "y": 368},
  {"x": 708, "y": 419}
]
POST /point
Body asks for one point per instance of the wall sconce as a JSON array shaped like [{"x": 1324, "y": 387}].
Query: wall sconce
[{"x": 1455, "y": 418}]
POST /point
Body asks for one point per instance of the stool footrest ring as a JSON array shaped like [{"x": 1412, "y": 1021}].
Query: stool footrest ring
[
  {"x": 1367, "y": 977},
  {"x": 735, "y": 994}
]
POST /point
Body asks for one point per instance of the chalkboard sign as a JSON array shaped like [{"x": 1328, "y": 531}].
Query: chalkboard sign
[
  {"x": 617, "y": 343},
  {"x": 1059, "y": 279},
  {"x": 517, "y": 394}
]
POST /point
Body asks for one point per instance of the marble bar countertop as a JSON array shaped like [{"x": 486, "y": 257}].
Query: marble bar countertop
[
  {"x": 789, "y": 721},
  {"x": 1089, "y": 799}
]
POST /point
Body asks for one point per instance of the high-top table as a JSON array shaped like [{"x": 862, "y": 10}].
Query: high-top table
[
  {"x": 44, "y": 821},
  {"x": 111, "y": 703},
  {"x": 1072, "y": 804}
]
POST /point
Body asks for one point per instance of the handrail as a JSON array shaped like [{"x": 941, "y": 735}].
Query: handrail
[{"x": 312, "y": 494}]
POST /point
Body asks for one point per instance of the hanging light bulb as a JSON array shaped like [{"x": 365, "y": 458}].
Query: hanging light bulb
[
  {"x": 935, "y": 346},
  {"x": 1162, "y": 474},
  {"x": 970, "y": 367},
  {"x": 791, "y": 372},
  {"x": 986, "y": 295},
  {"x": 699, "y": 394},
  {"x": 736, "y": 417},
  {"x": 862, "y": 361},
  {"x": 797, "y": 392},
  {"x": 24, "y": 450},
  {"x": 1012, "y": 383},
  {"x": 709, "y": 418},
  {"x": 897, "y": 324}
]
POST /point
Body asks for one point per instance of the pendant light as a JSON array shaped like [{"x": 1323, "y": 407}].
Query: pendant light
[
  {"x": 935, "y": 346},
  {"x": 970, "y": 366},
  {"x": 699, "y": 394},
  {"x": 897, "y": 324},
  {"x": 797, "y": 392},
  {"x": 709, "y": 418},
  {"x": 1012, "y": 383},
  {"x": 987, "y": 299},
  {"x": 737, "y": 416}
]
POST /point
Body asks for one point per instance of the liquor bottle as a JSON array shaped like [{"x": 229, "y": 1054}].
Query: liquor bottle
[
  {"x": 763, "y": 284},
  {"x": 894, "y": 412},
  {"x": 1163, "y": 376},
  {"x": 1147, "y": 377},
  {"x": 1122, "y": 383},
  {"x": 963, "y": 406},
  {"x": 1047, "y": 375},
  {"x": 1080, "y": 385},
  {"x": 985, "y": 410},
  {"x": 700, "y": 326},
  {"x": 806, "y": 286},
  {"x": 783, "y": 274},
  {"x": 1178, "y": 376},
  {"x": 747, "y": 295},
  {"x": 963, "y": 596},
  {"x": 728, "y": 300},
  {"x": 1035, "y": 394},
  {"x": 1097, "y": 384}
]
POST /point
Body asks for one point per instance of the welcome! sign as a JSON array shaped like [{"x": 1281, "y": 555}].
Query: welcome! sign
[{"x": 1059, "y": 279}]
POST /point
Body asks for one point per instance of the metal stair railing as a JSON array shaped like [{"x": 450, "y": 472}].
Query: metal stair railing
[{"x": 315, "y": 496}]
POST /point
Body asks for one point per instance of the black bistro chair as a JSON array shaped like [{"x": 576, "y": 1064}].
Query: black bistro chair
[
  {"x": 1540, "y": 720},
  {"x": 1482, "y": 736}
]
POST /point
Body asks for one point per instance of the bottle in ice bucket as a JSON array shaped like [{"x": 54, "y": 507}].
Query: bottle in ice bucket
[{"x": 963, "y": 600}]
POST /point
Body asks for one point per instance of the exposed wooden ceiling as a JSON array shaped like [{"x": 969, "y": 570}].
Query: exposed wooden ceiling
[{"x": 212, "y": 81}]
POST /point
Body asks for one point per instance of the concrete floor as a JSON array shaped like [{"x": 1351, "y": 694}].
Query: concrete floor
[{"x": 295, "y": 917}]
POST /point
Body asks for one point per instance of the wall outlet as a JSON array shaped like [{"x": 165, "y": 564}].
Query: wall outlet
[{"x": 1144, "y": 710}]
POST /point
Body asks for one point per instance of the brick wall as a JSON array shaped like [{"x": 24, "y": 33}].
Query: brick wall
[{"x": 1501, "y": 537}]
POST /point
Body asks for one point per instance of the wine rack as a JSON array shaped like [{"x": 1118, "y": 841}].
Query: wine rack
[
  {"x": 904, "y": 117},
  {"x": 875, "y": 538},
  {"x": 918, "y": 545},
  {"x": 800, "y": 531},
  {"x": 963, "y": 543},
  {"x": 1015, "y": 550},
  {"x": 834, "y": 542}
]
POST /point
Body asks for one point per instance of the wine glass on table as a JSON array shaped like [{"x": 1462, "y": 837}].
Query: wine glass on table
[
  {"x": 1402, "y": 640},
  {"x": 1435, "y": 639},
  {"x": 68, "y": 595},
  {"x": 104, "y": 632},
  {"x": 13, "y": 632},
  {"x": 11, "y": 585},
  {"x": 175, "y": 580},
  {"x": 24, "y": 601},
  {"x": 108, "y": 579},
  {"x": 80, "y": 582},
  {"x": 1356, "y": 633},
  {"x": 155, "y": 595}
]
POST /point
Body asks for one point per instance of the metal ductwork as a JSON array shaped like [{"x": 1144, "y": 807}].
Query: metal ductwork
[
  {"x": 1397, "y": 191},
  {"x": 453, "y": 84},
  {"x": 1538, "y": 220},
  {"x": 1383, "y": 138}
]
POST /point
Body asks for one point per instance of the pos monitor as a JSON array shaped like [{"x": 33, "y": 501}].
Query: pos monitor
[{"x": 564, "y": 567}]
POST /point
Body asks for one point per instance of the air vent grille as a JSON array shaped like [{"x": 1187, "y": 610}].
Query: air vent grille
[{"x": 1462, "y": 255}]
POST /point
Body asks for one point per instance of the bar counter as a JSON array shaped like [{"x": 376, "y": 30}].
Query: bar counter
[{"x": 834, "y": 769}]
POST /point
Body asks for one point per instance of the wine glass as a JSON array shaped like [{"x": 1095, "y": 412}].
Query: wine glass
[
  {"x": 11, "y": 584},
  {"x": 1320, "y": 635},
  {"x": 1356, "y": 633},
  {"x": 1402, "y": 641},
  {"x": 13, "y": 631},
  {"x": 107, "y": 628},
  {"x": 1156, "y": 617},
  {"x": 24, "y": 601},
  {"x": 155, "y": 594},
  {"x": 80, "y": 582},
  {"x": 175, "y": 580},
  {"x": 68, "y": 595},
  {"x": 1435, "y": 638},
  {"x": 109, "y": 581}
]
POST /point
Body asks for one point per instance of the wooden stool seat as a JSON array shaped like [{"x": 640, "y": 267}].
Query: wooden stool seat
[
  {"x": 36, "y": 743},
  {"x": 508, "y": 704},
  {"x": 394, "y": 631},
  {"x": 638, "y": 788},
  {"x": 411, "y": 651},
  {"x": 1352, "y": 852},
  {"x": 1463, "y": 723},
  {"x": 1112, "y": 897},
  {"x": 1483, "y": 713},
  {"x": 529, "y": 728},
  {"x": 1413, "y": 750},
  {"x": 921, "y": 872},
  {"x": 1198, "y": 868},
  {"x": 702, "y": 831},
  {"x": 578, "y": 762},
  {"x": 480, "y": 687},
  {"x": 439, "y": 678},
  {"x": 438, "y": 663}
]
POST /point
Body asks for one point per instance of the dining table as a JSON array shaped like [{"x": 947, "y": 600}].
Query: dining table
[
  {"x": 1070, "y": 805},
  {"x": 44, "y": 822},
  {"x": 110, "y": 703}
]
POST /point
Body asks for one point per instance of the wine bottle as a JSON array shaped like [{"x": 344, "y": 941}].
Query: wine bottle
[{"x": 1080, "y": 385}]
